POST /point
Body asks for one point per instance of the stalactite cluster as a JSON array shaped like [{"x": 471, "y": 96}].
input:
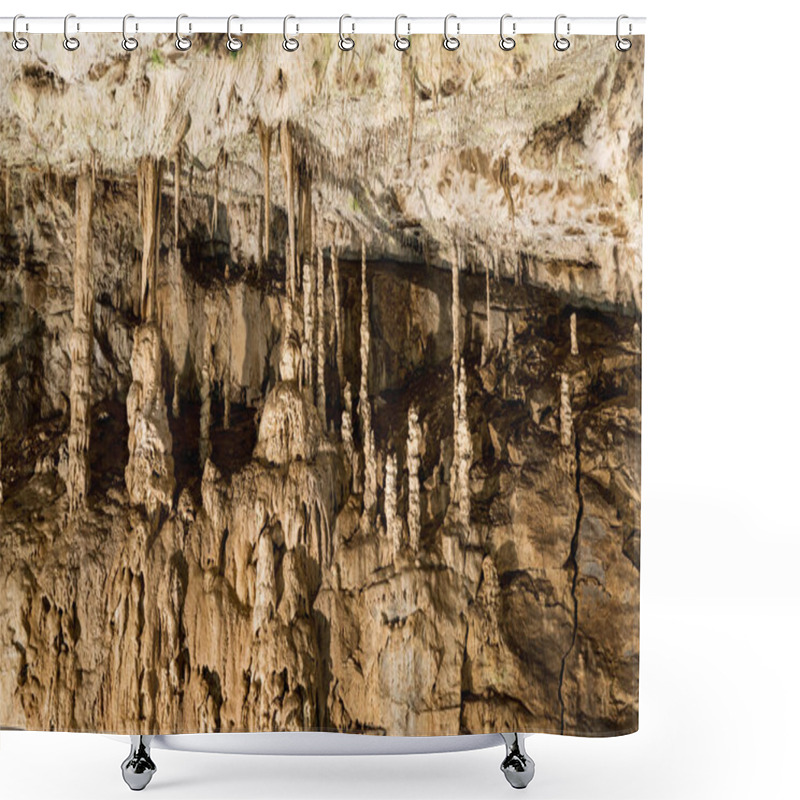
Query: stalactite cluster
[
  {"x": 80, "y": 347},
  {"x": 573, "y": 334},
  {"x": 364, "y": 408},
  {"x": 413, "y": 456},
  {"x": 318, "y": 529}
]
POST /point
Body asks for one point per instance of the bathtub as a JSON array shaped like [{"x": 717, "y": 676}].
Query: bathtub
[{"x": 139, "y": 767}]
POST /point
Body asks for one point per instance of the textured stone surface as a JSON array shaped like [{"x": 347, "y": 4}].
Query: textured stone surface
[{"x": 449, "y": 546}]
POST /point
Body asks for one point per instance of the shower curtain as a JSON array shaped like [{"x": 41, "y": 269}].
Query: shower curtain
[{"x": 320, "y": 386}]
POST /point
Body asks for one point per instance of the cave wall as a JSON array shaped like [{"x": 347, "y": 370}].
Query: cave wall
[{"x": 358, "y": 365}]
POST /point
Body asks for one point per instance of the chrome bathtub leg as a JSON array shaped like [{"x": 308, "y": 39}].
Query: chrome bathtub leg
[
  {"x": 517, "y": 766},
  {"x": 138, "y": 768}
]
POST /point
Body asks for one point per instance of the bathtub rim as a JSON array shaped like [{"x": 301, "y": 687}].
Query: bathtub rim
[{"x": 321, "y": 743}]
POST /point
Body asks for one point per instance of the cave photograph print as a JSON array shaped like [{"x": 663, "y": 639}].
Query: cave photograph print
[{"x": 320, "y": 386}]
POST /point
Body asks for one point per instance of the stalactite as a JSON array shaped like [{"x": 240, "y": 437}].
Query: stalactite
[
  {"x": 394, "y": 525},
  {"x": 321, "y": 337},
  {"x": 573, "y": 334},
  {"x": 337, "y": 313},
  {"x": 149, "y": 474},
  {"x": 289, "y": 277},
  {"x": 487, "y": 341},
  {"x": 312, "y": 342},
  {"x": 463, "y": 448},
  {"x": 176, "y": 212},
  {"x": 149, "y": 193},
  {"x": 304, "y": 222},
  {"x": 347, "y": 440},
  {"x": 265, "y": 138},
  {"x": 412, "y": 105},
  {"x": 176, "y": 398},
  {"x": 308, "y": 323},
  {"x": 206, "y": 380},
  {"x": 80, "y": 347},
  {"x": 505, "y": 182},
  {"x": 215, "y": 204},
  {"x": 1, "y": 473},
  {"x": 456, "y": 311},
  {"x": 226, "y": 398},
  {"x": 566, "y": 411},
  {"x": 288, "y": 177},
  {"x": 364, "y": 410},
  {"x": 414, "y": 460},
  {"x": 455, "y": 314}
]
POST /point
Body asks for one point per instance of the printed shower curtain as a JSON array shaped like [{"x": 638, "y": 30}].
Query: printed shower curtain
[{"x": 320, "y": 386}]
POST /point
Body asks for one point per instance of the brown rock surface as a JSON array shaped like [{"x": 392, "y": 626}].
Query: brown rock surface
[{"x": 453, "y": 549}]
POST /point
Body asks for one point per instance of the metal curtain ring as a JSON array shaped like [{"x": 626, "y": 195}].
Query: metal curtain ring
[
  {"x": 18, "y": 43},
  {"x": 70, "y": 42},
  {"x": 289, "y": 44},
  {"x": 233, "y": 44},
  {"x": 401, "y": 42},
  {"x": 128, "y": 42},
  {"x": 345, "y": 42},
  {"x": 623, "y": 44},
  {"x": 450, "y": 42},
  {"x": 507, "y": 42},
  {"x": 182, "y": 43},
  {"x": 560, "y": 43}
]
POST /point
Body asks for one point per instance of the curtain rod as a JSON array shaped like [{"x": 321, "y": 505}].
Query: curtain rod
[{"x": 607, "y": 26}]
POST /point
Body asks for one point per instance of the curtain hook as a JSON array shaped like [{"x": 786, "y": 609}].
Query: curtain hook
[
  {"x": 128, "y": 42},
  {"x": 507, "y": 42},
  {"x": 401, "y": 42},
  {"x": 18, "y": 43},
  {"x": 182, "y": 43},
  {"x": 289, "y": 44},
  {"x": 560, "y": 43},
  {"x": 345, "y": 42},
  {"x": 70, "y": 42},
  {"x": 450, "y": 42},
  {"x": 623, "y": 44},
  {"x": 233, "y": 44}
]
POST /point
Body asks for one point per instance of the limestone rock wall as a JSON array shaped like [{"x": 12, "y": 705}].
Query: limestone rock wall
[{"x": 326, "y": 415}]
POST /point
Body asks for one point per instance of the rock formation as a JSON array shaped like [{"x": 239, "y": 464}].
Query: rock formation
[
  {"x": 309, "y": 346},
  {"x": 394, "y": 524},
  {"x": 487, "y": 339},
  {"x": 320, "y": 344},
  {"x": 265, "y": 140},
  {"x": 207, "y": 374},
  {"x": 149, "y": 475},
  {"x": 413, "y": 460},
  {"x": 351, "y": 456},
  {"x": 364, "y": 408},
  {"x": 337, "y": 314},
  {"x": 176, "y": 397},
  {"x": 80, "y": 347},
  {"x": 463, "y": 449},
  {"x": 565, "y": 415},
  {"x": 149, "y": 193},
  {"x": 573, "y": 334},
  {"x": 287, "y": 160},
  {"x": 449, "y": 546}
]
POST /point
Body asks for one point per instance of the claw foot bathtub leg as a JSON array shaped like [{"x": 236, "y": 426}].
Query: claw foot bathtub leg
[
  {"x": 517, "y": 766},
  {"x": 138, "y": 768}
]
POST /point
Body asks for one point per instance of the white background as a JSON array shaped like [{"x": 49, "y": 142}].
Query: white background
[{"x": 720, "y": 609}]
